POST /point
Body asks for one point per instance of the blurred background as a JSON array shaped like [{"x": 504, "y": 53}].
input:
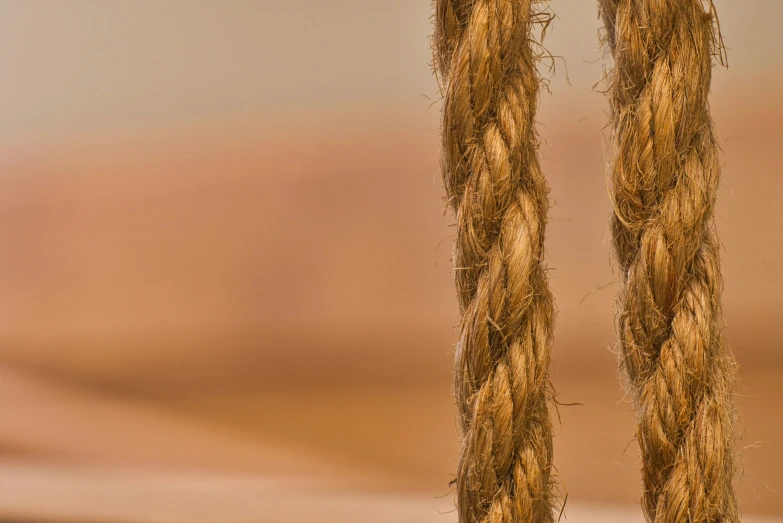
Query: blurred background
[{"x": 225, "y": 279}]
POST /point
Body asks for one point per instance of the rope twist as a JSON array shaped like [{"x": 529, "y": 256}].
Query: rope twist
[
  {"x": 665, "y": 176},
  {"x": 491, "y": 172}
]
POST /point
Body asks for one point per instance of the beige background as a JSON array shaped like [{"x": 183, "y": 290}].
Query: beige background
[{"x": 226, "y": 259}]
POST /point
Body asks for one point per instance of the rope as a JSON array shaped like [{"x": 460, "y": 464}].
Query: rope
[
  {"x": 664, "y": 177},
  {"x": 491, "y": 172}
]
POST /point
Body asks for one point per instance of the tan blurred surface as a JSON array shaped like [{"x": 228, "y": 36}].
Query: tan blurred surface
[
  {"x": 114, "y": 496},
  {"x": 242, "y": 297}
]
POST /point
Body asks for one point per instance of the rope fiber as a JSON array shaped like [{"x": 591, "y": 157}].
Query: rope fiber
[
  {"x": 664, "y": 180},
  {"x": 484, "y": 56}
]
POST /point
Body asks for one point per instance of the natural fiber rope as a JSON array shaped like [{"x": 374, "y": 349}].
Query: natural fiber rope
[
  {"x": 483, "y": 52},
  {"x": 664, "y": 178}
]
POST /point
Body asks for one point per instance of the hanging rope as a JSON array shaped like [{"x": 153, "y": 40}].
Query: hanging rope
[
  {"x": 484, "y": 54},
  {"x": 664, "y": 177}
]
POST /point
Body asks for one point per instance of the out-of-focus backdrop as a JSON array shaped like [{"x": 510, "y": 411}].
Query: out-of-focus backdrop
[{"x": 225, "y": 285}]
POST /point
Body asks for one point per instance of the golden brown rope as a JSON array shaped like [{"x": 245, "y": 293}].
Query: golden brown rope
[
  {"x": 484, "y": 53},
  {"x": 665, "y": 175}
]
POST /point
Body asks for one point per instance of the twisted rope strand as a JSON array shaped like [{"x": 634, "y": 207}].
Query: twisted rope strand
[
  {"x": 495, "y": 186},
  {"x": 665, "y": 176}
]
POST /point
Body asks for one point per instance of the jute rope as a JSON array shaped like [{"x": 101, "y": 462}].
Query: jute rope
[
  {"x": 484, "y": 54},
  {"x": 664, "y": 177}
]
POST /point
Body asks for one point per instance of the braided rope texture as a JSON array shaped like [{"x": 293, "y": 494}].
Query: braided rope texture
[
  {"x": 664, "y": 179},
  {"x": 484, "y": 55}
]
